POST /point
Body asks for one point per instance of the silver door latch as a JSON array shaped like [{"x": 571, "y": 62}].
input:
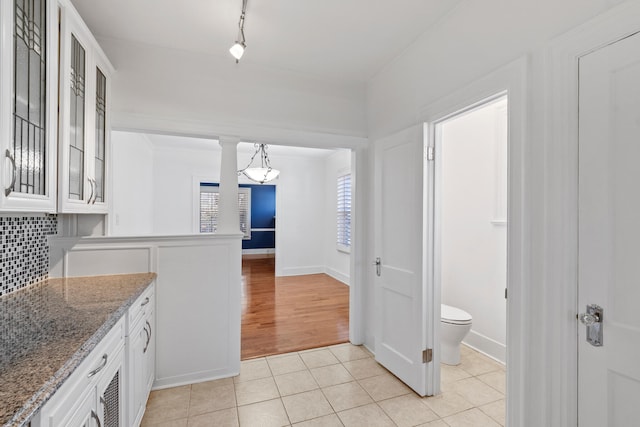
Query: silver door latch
[
  {"x": 378, "y": 264},
  {"x": 592, "y": 319}
]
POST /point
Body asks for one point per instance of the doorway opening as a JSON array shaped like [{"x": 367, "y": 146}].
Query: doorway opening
[
  {"x": 295, "y": 292},
  {"x": 470, "y": 249}
]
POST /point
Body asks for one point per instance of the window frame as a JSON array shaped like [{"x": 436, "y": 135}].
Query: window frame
[
  {"x": 343, "y": 208},
  {"x": 213, "y": 187}
]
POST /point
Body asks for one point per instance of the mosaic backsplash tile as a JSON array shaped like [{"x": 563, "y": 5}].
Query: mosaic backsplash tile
[{"x": 24, "y": 250}]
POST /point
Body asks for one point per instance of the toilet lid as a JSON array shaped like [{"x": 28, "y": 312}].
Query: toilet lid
[{"x": 454, "y": 315}]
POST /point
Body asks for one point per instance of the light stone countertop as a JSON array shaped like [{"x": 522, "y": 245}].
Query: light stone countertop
[{"x": 48, "y": 328}]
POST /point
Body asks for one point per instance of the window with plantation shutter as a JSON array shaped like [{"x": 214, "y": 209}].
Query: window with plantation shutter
[
  {"x": 209, "y": 202},
  {"x": 344, "y": 213}
]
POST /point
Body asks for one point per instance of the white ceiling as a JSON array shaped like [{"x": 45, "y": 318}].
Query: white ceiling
[{"x": 334, "y": 39}]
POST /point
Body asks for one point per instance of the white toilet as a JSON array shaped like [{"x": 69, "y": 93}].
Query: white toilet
[{"x": 455, "y": 324}]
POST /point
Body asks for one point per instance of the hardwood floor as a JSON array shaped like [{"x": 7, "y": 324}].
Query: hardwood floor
[{"x": 285, "y": 314}]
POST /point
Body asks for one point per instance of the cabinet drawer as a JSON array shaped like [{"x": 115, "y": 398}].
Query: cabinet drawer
[
  {"x": 73, "y": 390},
  {"x": 141, "y": 307},
  {"x": 110, "y": 344}
]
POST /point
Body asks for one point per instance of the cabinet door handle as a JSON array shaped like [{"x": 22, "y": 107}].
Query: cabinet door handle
[
  {"x": 146, "y": 346},
  {"x": 96, "y": 417},
  {"x": 95, "y": 193},
  {"x": 99, "y": 368},
  {"x": 91, "y": 196},
  {"x": 11, "y": 186},
  {"x": 145, "y": 302}
]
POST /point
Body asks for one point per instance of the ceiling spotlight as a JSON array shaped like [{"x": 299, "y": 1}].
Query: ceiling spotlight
[
  {"x": 237, "y": 50},
  {"x": 265, "y": 172}
]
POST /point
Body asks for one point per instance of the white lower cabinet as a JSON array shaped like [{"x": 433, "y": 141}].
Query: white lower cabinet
[
  {"x": 141, "y": 358},
  {"x": 102, "y": 405},
  {"x": 86, "y": 415},
  {"x": 92, "y": 395},
  {"x": 111, "y": 386},
  {"x": 111, "y": 395},
  {"x": 137, "y": 342}
]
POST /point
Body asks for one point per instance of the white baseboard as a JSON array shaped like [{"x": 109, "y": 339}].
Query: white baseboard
[
  {"x": 368, "y": 349},
  {"x": 316, "y": 269},
  {"x": 341, "y": 277},
  {"x": 486, "y": 346},
  {"x": 197, "y": 377},
  {"x": 258, "y": 251},
  {"x": 301, "y": 271}
]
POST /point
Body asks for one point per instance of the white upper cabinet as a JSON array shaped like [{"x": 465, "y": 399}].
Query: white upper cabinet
[
  {"x": 28, "y": 105},
  {"x": 84, "y": 133}
]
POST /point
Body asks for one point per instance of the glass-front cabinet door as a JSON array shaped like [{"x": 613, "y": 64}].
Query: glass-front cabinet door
[
  {"x": 84, "y": 118},
  {"x": 28, "y": 105}
]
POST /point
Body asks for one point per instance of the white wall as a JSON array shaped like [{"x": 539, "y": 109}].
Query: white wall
[
  {"x": 303, "y": 217},
  {"x": 132, "y": 185},
  {"x": 474, "y": 40},
  {"x": 175, "y": 166},
  {"x": 337, "y": 263},
  {"x": 473, "y": 234},
  {"x": 300, "y": 202}
]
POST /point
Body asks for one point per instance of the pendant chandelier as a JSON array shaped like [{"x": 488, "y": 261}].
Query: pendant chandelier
[{"x": 265, "y": 172}]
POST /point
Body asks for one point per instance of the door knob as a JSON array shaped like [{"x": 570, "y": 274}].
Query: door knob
[
  {"x": 592, "y": 319},
  {"x": 589, "y": 319}
]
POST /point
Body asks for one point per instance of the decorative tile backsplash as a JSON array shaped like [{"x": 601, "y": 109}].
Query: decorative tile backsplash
[{"x": 24, "y": 251}]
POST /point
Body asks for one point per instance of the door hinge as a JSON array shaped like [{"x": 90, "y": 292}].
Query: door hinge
[
  {"x": 427, "y": 355},
  {"x": 505, "y": 293},
  {"x": 431, "y": 153}
]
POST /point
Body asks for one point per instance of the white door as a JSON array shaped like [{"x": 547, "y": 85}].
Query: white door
[
  {"x": 401, "y": 330},
  {"x": 609, "y": 233}
]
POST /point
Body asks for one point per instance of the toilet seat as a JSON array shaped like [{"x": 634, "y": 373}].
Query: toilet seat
[{"x": 454, "y": 315}]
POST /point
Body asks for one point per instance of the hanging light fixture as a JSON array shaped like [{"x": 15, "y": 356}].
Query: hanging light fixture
[
  {"x": 237, "y": 50},
  {"x": 265, "y": 172}
]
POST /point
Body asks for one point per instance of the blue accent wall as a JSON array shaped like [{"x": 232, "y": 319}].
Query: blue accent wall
[{"x": 263, "y": 215}]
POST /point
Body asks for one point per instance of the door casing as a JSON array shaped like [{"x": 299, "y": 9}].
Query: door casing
[
  {"x": 510, "y": 80},
  {"x": 435, "y": 196}
]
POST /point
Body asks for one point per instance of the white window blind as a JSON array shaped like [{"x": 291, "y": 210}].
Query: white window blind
[
  {"x": 209, "y": 202},
  {"x": 344, "y": 212}
]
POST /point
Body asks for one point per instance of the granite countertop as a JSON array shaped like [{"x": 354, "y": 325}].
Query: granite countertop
[{"x": 48, "y": 328}]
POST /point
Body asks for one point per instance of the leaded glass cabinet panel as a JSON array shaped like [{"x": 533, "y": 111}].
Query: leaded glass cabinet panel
[
  {"x": 29, "y": 97},
  {"x": 77, "y": 77},
  {"x": 101, "y": 134},
  {"x": 28, "y": 124}
]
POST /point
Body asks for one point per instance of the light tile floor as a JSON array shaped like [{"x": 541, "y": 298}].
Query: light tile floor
[{"x": 340, "y": 385}]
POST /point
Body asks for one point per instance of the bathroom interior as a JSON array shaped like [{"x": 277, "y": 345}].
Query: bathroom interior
[{"x": 471, "y": 230}]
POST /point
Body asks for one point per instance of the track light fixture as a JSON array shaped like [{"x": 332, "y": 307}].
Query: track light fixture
[
  {"x": 265, "y": 172},
  {"x": 237, "y": 50}
]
